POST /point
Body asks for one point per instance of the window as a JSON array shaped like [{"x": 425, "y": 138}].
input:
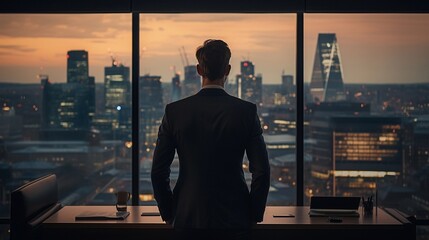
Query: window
[
  {"x": 367, "y": 87},
  {"x": 365, "y": 128},
  {"x": 263, "y": 67},
  {"x": 65, "y": 104}
]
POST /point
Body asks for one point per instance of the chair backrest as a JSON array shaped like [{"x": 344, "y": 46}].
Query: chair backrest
[{"x": 31, "y": 204}]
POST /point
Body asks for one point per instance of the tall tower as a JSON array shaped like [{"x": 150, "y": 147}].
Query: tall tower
[
  {"x": 82, "y": 85},
  {"x": 116, "y": 89},
  {"x": 151, "y": 110},
  {"x": 91, "y": 97},
  {"x": 176, "y": 90},
  {"x": 77, "y": 66},
  {"x": 287, "y": 84},
  {"x": 327, "y": 77},
  {"x": 249, "y": 86},
  {"x": 192, "y": 81}
]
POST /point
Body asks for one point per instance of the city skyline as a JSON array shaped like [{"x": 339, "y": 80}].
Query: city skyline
[
  {"x": 376, "y": 43},
  {"x": 373, "y": 139}
]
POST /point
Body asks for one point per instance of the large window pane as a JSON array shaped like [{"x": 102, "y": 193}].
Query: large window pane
[
  {"x": 65, "y": 104},
  {"x": 263, "y": 43},
  {"x": 367, "y": 102}
]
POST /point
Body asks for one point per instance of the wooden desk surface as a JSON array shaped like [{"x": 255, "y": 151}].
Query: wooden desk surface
[
  {"x": 66, "y": 217},
  {"x": 301, "y": 219},
  {"x": 62, "y": 225}
]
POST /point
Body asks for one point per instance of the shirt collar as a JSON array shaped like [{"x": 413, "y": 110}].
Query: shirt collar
[{"x": 212, "y": 86}]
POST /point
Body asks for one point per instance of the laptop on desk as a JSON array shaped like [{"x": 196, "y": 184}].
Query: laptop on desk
[{"x": 323, "y": 206}]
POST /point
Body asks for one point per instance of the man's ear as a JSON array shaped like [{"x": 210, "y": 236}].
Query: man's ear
[
  {"x": 228, "y": 69},
  {"x": 200, "y": 70}
]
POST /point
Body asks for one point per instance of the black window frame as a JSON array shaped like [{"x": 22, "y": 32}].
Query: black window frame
[{"x": 137, "y": 7}]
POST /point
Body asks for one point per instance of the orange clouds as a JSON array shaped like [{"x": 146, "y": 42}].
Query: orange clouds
[{"x": 374, "y": 48}]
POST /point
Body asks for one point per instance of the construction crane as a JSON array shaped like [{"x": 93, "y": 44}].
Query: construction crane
[
  {"x": 114, "y": 62},
  {"x": 183, "y": 56}
]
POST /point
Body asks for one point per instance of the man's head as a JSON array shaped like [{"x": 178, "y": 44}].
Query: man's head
[{"x": 213, "y": 60}]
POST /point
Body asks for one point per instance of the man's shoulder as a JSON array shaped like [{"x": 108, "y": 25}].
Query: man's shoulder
[
  {"x": 180, "y": 102},
  {"x": 242, "y": 103},
  {"x": 196, "y": 99}
]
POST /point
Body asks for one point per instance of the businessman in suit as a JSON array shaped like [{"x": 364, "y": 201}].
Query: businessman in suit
[{"x": 211, "y": 131}]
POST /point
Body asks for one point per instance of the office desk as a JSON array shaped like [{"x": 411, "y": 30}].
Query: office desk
[{"x": 62, "y": 225}]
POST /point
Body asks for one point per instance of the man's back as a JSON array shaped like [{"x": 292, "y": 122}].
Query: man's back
[{"x": 211, "y": 131}]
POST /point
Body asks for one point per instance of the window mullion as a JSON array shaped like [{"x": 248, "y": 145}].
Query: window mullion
[
  {"x": 135, "y": 168},
  {"x": 299, "y": 109}
]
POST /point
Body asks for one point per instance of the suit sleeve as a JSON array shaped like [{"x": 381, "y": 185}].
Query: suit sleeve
[
  {"x": 160, "y": 174},
  {"x": 259, "y": 167}
]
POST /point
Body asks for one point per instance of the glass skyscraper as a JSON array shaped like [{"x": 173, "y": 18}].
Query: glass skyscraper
[
  {"x": 151, "y": 110},
  {"x": 327, "y": 77},
  {"x": 71, "y": 105},
  {"x": 116, "y": 90},
  {"x": 249, "y": 86},
  {"x": 77, "y": 66},
  {"x": 192, "y": 81},
  {"x": 176, "y": 89},
  {"x": 354, "y": 152}
]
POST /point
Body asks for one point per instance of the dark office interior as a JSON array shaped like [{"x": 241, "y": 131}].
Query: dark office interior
[{"x": 341, "y": 88}]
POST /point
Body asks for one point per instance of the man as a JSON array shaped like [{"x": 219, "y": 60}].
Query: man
[{"x": 211, "y": 131}]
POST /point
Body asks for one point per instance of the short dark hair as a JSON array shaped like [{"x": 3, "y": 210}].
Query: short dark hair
[{"x": 213, "y": 57}]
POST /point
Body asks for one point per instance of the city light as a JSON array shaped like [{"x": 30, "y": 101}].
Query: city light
[
  {"x": 356, "y": 134},
  {"x": 128, "y": 144},
  {"x": 366, "y": 174},
  {"x": 146, "y": 197}
]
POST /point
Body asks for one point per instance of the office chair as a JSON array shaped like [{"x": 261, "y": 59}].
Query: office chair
[{"x": 31, "y": 204}]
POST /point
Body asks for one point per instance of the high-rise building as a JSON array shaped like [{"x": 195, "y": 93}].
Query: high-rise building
[
  {"x": 286, "y": 94},
  {"x": 249, "y": 86},
  {"x": 151, "y": 110},
  {"x": 77, "y": 66},
  {"x": 91, "y": 97},
  {"x": 71, "y": 105},
  {"x": 117, "y": 102},
  {"x": 327, "y": 77},
  {"x": 192, "y": 81},
  {"x": 354, "y": 153},
  {"x": 23, "y": 103},
  {"x": 287, "y": 83},
  {"x": 150, "y": 90},
  {"x": 116, "y": 90},
  {"x": 176, "y": 89},
  {"x": 65, "y": 106},
  {"x": 10, "y": 125},
  {"x": 420, "y": 138}
]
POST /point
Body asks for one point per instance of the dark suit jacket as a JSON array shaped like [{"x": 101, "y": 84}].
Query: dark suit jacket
[{"x": 211, "y": 131}]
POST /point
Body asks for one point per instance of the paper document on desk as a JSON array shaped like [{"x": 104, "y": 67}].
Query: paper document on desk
[{"x": 102, "y": 215}]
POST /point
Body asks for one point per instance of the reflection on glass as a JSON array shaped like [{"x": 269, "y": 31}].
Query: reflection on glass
[
  {"x": 263, "y": 63},
  {"x": 366, "y": 109},
  {"x": 65, "y": 105}
]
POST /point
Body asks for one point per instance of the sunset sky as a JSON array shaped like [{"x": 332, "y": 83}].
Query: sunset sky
[{"x": 388, "y": 48}]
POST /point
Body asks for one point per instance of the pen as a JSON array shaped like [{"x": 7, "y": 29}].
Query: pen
[{"x": 284, "y": 216}]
